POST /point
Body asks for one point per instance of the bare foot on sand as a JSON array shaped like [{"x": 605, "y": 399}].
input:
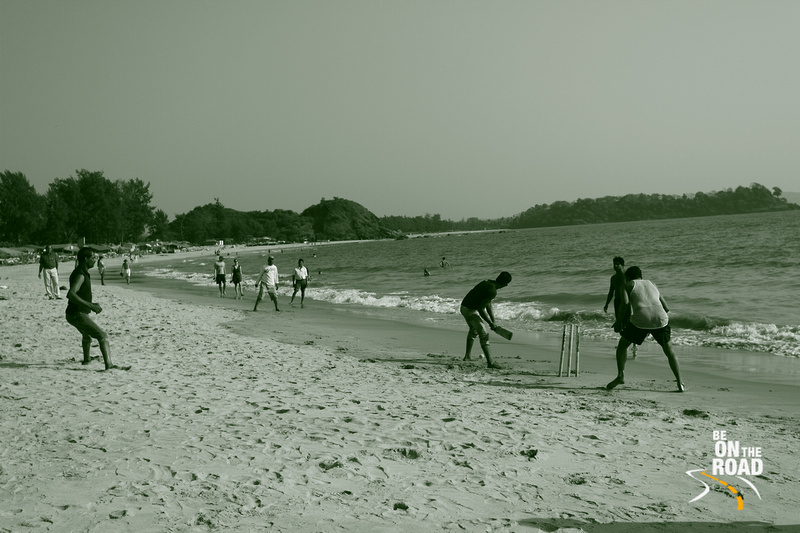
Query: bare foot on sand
[
  {"x": 116, "y": 367},
  {"x": 618, "y": 381}
]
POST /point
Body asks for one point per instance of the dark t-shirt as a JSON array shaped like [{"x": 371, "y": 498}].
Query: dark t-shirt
[
  {"x": 48, "y": 260},
  {"x": 480, "y": 295},
  {"x": 84, "y": 292}
]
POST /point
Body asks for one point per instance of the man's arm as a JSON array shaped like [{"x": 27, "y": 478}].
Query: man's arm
[
  {"x": 624, "y": 308},
  {"x": 73, "y": 297},
  {"x": 611, "y": 290},
  {"x": 663, "y": 303},
  {"x": 487, "y": 314},
  {"x": 259, "y": 278}
]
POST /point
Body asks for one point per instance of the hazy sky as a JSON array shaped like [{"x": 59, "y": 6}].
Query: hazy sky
[{"x": 408, "y": 107}]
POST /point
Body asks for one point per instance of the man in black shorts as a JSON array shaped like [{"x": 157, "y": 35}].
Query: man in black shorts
[
  {"x": 643, "y": 312},
  {"x": 219, "y": 275},
  {"x": 476, "y": 308},
  {"x": 616, "y": 288}
]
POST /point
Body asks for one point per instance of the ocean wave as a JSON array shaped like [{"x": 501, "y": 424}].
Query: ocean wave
[{"x": 694, "y": 329}]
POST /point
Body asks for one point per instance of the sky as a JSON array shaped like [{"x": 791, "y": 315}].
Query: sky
[{"x": 462, "y": 108}]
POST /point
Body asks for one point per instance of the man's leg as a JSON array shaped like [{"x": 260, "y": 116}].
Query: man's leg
[
  {"x": 470, "y": 343},
  {"x": 105, "y": 349},
  {"x": 484, "y": 340},
  {"x": 56, "y": 289},
  {"x": 673, "y": 364},
  {"x": 258, "y": 298},
  {"x": 274, "y": 297},
  {"x": 86, "y": 343},
  {"x": 48, "y": 283},
  {"x": 46, "y": 280},
  {"x": 622, "y": 356}
]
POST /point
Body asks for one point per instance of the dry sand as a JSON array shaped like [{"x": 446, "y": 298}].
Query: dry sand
[{"x": 318, "y": 419}]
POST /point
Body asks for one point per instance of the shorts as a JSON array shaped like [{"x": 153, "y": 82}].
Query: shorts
[
  {"x": 220, "y": 278},
  {"x": 637, "y": 335},
  {"x": 300, "y": 284},
  {"x": 271, "y": 290},
  {"x": 83, "y": 323},
  {"x": 477, "y": 327}
]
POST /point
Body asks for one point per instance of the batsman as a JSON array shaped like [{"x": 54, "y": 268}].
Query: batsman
[{"x": 476, "y": 308}]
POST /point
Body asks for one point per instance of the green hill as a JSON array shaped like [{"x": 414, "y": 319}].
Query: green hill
[{"x": 341, "y": 219}]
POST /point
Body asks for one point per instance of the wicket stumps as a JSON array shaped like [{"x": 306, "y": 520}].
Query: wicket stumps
[{"x": 574, "y": 342}]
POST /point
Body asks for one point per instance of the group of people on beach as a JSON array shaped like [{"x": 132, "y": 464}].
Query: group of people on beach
[
  {"x": 639, "y": 311},
  {"x": 639, "y": 308},
  {"x": 267, "y": 280}
]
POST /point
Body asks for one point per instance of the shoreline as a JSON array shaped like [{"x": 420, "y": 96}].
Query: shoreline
[
  {"x": 330, "y": 420},
  {"x": 597, "y": 355}
]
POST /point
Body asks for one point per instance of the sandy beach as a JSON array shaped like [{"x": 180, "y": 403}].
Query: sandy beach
[{"x": 322, "y": 419}]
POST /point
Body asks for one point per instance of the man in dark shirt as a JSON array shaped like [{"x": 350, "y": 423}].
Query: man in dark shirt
[
  {"x": 48, "y": 262},
  {"x": 476, "y": 308},
  {"x": 80, "y": 305},
  {"x": 616, "y": 289}
]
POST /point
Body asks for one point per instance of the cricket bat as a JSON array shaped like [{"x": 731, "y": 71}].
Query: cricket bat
[{"x": 503, "y": 332}]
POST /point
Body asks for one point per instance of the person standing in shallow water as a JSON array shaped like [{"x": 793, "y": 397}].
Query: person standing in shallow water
[
  {"x": 476, "y": 308},
  {"x": 300, "y": 281},
  {"x": 643, "y": 312},
  {"x": 79, "y": 306}
]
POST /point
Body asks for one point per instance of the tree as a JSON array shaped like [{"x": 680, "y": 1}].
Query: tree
[
  {"x": 159, "y": 226},
  {"x": 137, "y": 211},
  {"x": 99, "y": 216},
  {"x": 22, "y": 209}
]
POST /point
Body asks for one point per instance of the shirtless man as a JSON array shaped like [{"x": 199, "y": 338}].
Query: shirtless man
[
  {"x": 643, "y": 312},
  {"x": 219, "y": 275},
  {"x": 616, "y": 288}
]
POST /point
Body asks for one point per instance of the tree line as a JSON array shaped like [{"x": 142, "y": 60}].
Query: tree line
[
  {"x": 631, "y": 207},
  {"x": 90, "y": 205},
  {"x": 84, "y": 205}
]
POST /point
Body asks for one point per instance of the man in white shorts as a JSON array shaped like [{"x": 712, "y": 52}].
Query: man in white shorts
[{"x": 268, "y": 278}]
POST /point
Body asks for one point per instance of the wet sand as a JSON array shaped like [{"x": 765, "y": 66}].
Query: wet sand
[{"x": 327, "y": 419}]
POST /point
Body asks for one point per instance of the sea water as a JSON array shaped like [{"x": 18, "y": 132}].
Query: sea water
[{"x": 729, "y": 281}]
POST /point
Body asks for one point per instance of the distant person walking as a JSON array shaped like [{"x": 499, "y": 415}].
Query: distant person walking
[
  {"x": 444, "y": 263},
  {"x": 300, "y": 282},
  {"x": 236, "y": 279},
  {"x": 81, "y": 304},
  {"x": 101, "y": 269},
  {"x": 48, "y": 263},
  {"x": 643, "y": 312},
  {"x": 476, "y": 308},
  {"x": 616, "y": 288},
  {"x": 126, "y": 271},
  {"x": 268, "y": 279},
  {"x": 219, "y": 275}
]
